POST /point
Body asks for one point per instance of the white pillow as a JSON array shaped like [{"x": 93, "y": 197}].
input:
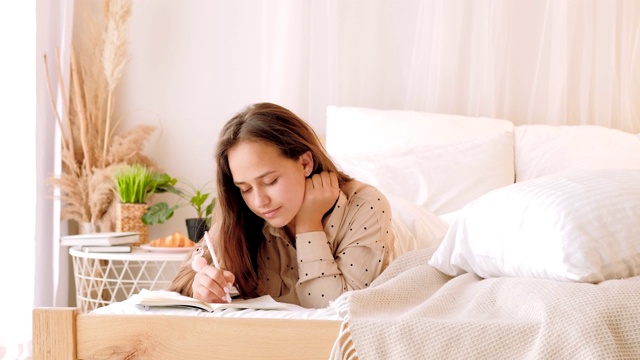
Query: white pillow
[
  {"x": 581, "y": 225},
  {"x": 353, "y": 130},
  {"x": 547, "y": 149},
  {"x": 425, "y": 227},
  {"x": 441, "y": 179}
]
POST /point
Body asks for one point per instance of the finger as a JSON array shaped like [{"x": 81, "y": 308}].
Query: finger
[
  {"x": 308, "y": 185},
  {"x": 228, "y": 275},
  {"x": 219, "y": 276},
  {"x": 202, "y": 290},
  {"x": 317, "y": 181},
  {"x": 326, "y": 180},
  {"x": 213, "y": 280},
  {"x": 334, "y": 180},
  {"x": 202, "y": 293},
  {"x": 227, "y": 289}
]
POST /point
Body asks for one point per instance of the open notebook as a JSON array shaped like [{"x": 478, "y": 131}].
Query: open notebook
[{"x": 174, "y": 299}]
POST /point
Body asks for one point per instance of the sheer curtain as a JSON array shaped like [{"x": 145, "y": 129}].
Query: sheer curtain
[
  {"x": 17, "y": 213},
  {"x": 30, "y": 265},
  {"x": 529, "y": 61}
]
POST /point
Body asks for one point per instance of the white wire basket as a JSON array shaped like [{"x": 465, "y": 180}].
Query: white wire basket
[{"x": 104, "y": 278}]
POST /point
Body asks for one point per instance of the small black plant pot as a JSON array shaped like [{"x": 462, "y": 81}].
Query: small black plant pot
[{"x": 196, "y": 227}]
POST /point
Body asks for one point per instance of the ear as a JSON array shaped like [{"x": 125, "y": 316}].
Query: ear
[{"x": 306, "y": 160}]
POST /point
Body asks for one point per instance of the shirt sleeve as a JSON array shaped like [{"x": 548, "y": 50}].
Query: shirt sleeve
[{"x": 360, "y": 255}]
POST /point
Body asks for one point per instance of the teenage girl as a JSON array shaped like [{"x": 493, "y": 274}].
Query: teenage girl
[{"x": 288, "y": 222}]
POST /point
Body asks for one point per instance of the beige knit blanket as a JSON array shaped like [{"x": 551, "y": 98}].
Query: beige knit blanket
[{"x": 413, "y": 311}]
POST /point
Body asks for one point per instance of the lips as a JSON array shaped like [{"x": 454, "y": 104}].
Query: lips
[{"x": 269, "y": 213}]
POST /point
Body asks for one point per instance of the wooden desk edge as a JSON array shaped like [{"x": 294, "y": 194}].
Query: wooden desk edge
[
  {"x": 54, "y": 333},
  {"x": 64, "y": 333}
]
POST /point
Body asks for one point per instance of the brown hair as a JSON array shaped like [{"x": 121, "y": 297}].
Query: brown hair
[{"x": 240, "y": 230}]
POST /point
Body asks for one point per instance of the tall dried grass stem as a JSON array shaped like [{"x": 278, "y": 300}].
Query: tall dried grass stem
[
  {"x": 80, "y": 111},
  {"x": 114, "y": 54},
  {"x": 107, "y": 130},
  {"x": 95, "y": 82}
]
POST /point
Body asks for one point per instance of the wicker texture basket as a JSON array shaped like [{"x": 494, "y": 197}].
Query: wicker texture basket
[{"x": 129, "y": 218}]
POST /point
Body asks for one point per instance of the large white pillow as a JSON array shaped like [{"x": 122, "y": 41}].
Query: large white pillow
[
  {"x": 581, "y": 225},
  {"x": 353, "y": 130},
  {"x": 548, "y": 149},
  {"x": 441, "y": 179}
]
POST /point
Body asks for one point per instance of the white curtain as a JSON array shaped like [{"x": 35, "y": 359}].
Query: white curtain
[
  {"x": 31, "y": 266},
  {"x": 528, "y": 61},
  {"x": 17, "y": 213}
]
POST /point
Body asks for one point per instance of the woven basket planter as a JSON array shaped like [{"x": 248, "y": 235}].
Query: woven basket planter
[{"x": 129, "y": 218}]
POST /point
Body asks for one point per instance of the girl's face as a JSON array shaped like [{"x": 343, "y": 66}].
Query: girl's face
[{"x": 271, "y": 185}]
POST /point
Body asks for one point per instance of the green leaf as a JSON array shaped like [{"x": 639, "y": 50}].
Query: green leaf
[
  {"x": 197, "y": 201},
  {"x": 210, "y": 207},
  {"x": 158, "y": 213},
  {"x": 162, "y": 183}
]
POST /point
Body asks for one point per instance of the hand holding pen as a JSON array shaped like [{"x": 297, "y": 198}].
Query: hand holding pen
[{"x": 211, "y": 283}]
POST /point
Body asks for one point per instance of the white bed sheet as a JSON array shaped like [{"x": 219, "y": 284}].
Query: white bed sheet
[{"x": 128, "y": 307}]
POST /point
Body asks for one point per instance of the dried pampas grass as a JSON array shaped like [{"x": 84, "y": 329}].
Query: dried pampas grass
[{"x": 91, "y": 147}]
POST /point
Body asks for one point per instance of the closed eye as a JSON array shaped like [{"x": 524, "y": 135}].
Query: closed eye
[{"x": 271, "y": 183}]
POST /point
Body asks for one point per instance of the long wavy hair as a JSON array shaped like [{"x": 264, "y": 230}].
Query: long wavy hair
[{"x": 240, "y": 233}]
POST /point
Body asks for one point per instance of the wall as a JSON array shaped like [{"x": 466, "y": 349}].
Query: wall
[
  {"x": 170, "y": 82},
  {"x": 179, "y": 80}
]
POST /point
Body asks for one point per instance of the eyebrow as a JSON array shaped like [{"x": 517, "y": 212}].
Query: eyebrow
[{"x": 256, "y": 178}]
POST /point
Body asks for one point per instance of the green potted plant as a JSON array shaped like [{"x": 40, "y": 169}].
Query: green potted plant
[
  {"x": 196, "y": 227},
  {"x": 193, "y": 196},
  {"x": 134, "y": 185}
]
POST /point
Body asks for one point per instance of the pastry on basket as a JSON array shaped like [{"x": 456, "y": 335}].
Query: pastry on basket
[{"x": 177, "y": 239}]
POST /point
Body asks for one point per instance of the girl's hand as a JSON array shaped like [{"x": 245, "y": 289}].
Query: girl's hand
[
  {"x": 321, "y": 192},
  {"x": 210, "y": 282}
]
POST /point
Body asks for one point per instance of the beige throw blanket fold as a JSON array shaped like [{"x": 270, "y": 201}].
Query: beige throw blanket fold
[{"x": 413, "y": 311}]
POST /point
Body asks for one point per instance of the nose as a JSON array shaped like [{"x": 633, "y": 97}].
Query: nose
[{"x": 261, "y": 199}]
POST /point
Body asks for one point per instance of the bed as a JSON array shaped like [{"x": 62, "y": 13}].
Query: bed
[{"x": 521, "y": 242}]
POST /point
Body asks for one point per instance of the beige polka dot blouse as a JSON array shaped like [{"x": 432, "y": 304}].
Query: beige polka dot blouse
[{"x": 354, "y": 248}]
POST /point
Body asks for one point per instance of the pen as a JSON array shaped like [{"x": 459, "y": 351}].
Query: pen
[{"x": 216, "y": 264}]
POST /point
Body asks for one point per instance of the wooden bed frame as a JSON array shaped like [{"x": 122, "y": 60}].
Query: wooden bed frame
[{"x": 64, "y": 333}]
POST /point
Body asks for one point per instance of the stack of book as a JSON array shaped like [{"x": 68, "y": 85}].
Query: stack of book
[{"x": 112, "y": 242}]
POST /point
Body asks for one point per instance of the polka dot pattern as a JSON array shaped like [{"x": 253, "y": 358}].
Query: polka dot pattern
[{"x": 352, "y": 251}]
